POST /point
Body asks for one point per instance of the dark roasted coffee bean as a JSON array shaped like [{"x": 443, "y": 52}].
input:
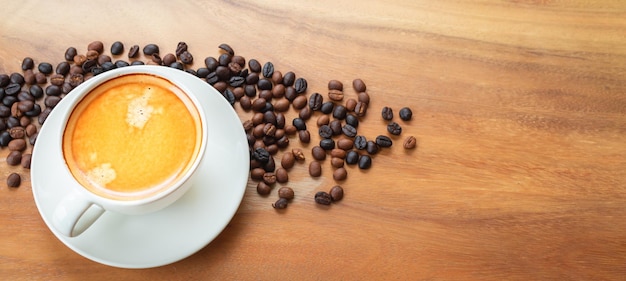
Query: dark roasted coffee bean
[
  {"x": 365, "y": 162},
  {"x": 27, "y": 63},
  {"x": 371, "y": 147},
  {"x": 44, "y": 115},
  {"x": 70, "y": 53},
  {"x": 387, "y": 113},
  {"x": 97, "y": 46},
  {"x": 264, "y": 84},
  {"x": 340, "y": 112},
  {"x": 202, "y": 72},
  {"x": 323, "y": 198},
  {"x": 360, "y": 109},
  {"x": 186, "y": 57},
  {"x": 315, "y": 169},
  {"x": 358, "y": 85},
  {"x": 36, "y": 91},
  {"x": 336, "y": 193},
  {"x": 254, "y": 65},
  {"x": 280, "y": 120},
  {"x": 4, "y": 80},
  {"x": 14, "y": 158},
  {"x": 352, "y": 157},
  {"x": 300, "y": 85},
  {"x": 229, "y": 96},
  {"x": 268, "y": 107},
  {"x": 241, "y": 61},
  {"x": 97, "y": 70},
  {"x": 227, "y": 49},
  {"x": 325, "y": 131},
  {"x": 304, "y": 136},
  {"x": 156, "y": 59},
  {"x": 137, "y": 62},
  {"x": 121, "y": 63},
  {"x": 133, "y": 52},
  {"x": 235, "y": 69},
  {"x": 327, "y": 107},
  {"x": 5, "y": 138},
  {"x": 24, "y": 95},
  {"x": 12, "y": 89},
  {"x": 224, "y": 59},
  {"x": 5, "y": 111},
  {"x": 336, "y": 126},
  {"x": 268, "y": 70},
  {"x": 17, "y": 144},
  {"x": 352, "y": 120},
  {"x": 53, "y": 90},
  {"x": 360, "y": 142},
  {"x": 266, "y": 95},
  {"x": 270, "y": 166},
  {"x": 180, "y": 48},
  {"x": 117, "y": 48},
  {"x": 281, "y": 203},
  {"x": 299, "y": 123},
  {"x": 263, "y": 188},
  {"x": 236, "y": 81},
  {"x": 289, "y": 78},
  {"x": 211, "y": 63},
  {"x": 315, "y": 101},
  {"x": 327, "y": 144},
  {"x": 335, "y": 85},
  {"x": 282, "y": 142},
  {"x": 45, "y": 68},
  {"x": 269, "y": 117},
  {"x": 25, "y": 105},
  {"x": 212, "y": 78},
  {"x": 150, "y": 49},
  {"x": 410, "y": 142},
  {"x": 33, "y": 112},
  {"x": 75, "y": 80},
  {"x": 29, "y": 77},
  {"x": 9, "y": 100},
  {"x": 383, "y": 141},
  {"x": 318, "y": 153},
  {"x": 14, "y": 180},
  {"x": 340, "y": 173},
  {"x": 261, "y": 155},
  {"x": 348, "y": 130},
  {"x": 394, "y": 128},
  {"x": 89, "y": 65},
  {"x": 17, "y": 78},
  {"x": 406, "y": 114}
]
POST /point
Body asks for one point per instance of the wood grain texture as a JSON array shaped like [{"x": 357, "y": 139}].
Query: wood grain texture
[{"x": 519, "y": 111}]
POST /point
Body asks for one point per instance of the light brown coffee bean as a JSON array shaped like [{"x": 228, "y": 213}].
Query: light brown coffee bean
[
  {"x": 336, "y": 162},
  {"x": 257, "y": 132},
  {"x": 25, "y": 121},
  {"x": 97, "y": 46},
  {"x": 286, "y": 192},
  {"x": 318, "y": 153},
  {"x": 336, "y": 193},
  {"x": 410, "y": 142},
  {"x": 340, "y": 174},
  {"x": 345, "y": 144},
  {"x": 257, "y": 118},
  {"x": 338, "y": 153},
  {"x": 358, "y": 85},
  {"x": 263, "y": 189},
  {"x": 315, "y": 169},
  {"x": 335, "y": 85},
  {"x": 16, "y": 132},
  {"x": 278, "y": 91},
  {"x": 31, "y": 129},
  {"x": 335, "y": 95},
  {"x": 26, "y": 160},
  {"x": 272, "y": 148},
  {"x": 363, "y": 97},
  {"x": 298, "y": 154},
  {"x": 290, "y": 129},
  {"x": 323, "y": 120},
  {"x": 299, "y": 102},
  {"x": 257, "y": 173},
  {"x": 269, "y": 178},
  {"x": 29, "y": 77},
  {"x": 350, "y": 104},
  {"x": 245, "y": 103},
  {"x": 17, "y": 145},
  {"x": 79, "y": 60},
  {"x": 92, "y": 55},
  {"x": 281, "y": 175},
  {"x": 281, "y": 105},
  {"x": 304, "y": 136},
  {"x": 288, "y": 160}
]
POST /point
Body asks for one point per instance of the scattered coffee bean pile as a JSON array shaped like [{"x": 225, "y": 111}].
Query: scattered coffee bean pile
[{"x": 260, "y": 89}]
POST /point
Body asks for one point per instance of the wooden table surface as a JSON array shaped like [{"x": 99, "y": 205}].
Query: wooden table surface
[{"x": 519, "y": 112}]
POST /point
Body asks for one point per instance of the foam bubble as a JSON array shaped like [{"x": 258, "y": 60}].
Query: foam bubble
[
  {"x": 139, "y": 111},
  {"x": 102, "y": 175}
]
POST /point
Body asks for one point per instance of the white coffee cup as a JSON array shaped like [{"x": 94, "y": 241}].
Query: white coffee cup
[{"x": 159, "y": 148}]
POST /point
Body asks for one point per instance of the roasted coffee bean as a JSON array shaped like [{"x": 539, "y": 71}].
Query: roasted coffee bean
[
  {"x": 75, "y": 80},
  {"x": 360, "y": 109},
  {"x": 257, "y": 131},
  {"x": 365, "y": 162},
  {"x": 340, "y": 112},
  {"x": 269, "y": 178},
  {"x": 352, "y": 120},
  {"x": 299, "y": 102},
  {"x": 5, "y": 111},
  {"x": 224, "y": 59},
  {"x": 5, "y": 138},
  {"x": 268, "y": 69},
  {"x": 278, "y": 91},
  {"x": 25, "y": 105},
  {"x": 336, "y": 193},
  {"x": 263, "y": 188},
  {"x": 9, "y": 100},
  {"x": 315, "y": 101},
  {"x": 264, "y": 84},
  {"x": 336, "y": 162},
  {"x": 327, "y": 107},
  {"x": 92, "y": 55},
  {"x": 79, "y": 60},
  {"x": 289, "y": 78},
  {"x": 26, "y": 160},
  {"x": 12, "y": 89},
  {"x": 36, "y": 91},
  {"x": 33, "y": 112},
  {"x": 299, "y": 123},
  {"x": 348, "y": 130},
  {"x": 117, "y": 48},
  {"x": 250, "y": 90},
  {"x": 352, "y": 157},
  {"x": 121, "y": 63},
  {"x": 169, "y": 59},
  {"x": 363, "y": 97},
  {"x": 70, "y": 53},
  {"x": 235, "y": 69},
  {"x": 30, "y": 130},
  {"x": 345, "y": 144},
  {"x": 327, "y": 144},
  {"x": 15, "y": 111},
  {"x": 323, "y": 198},
  {"x": 261, "y": 155},
  {"x": 387, "y": 113},
  {"x": 14, "y": 158},
  {"x": 45, "y": 68},
  {"x": 29, "y": 77},
  {"x": 394, "y": 128},
  {"x": 245, "y": 103},
  {"x": 336, "y": 126},
  {"x": 150, "y": 49},
  {"x": 269, "y": 129},
  {"x": 257, "y": 173},
  {"x": 277, "y": 77},
  {"x": 270, "y": 166},
  {"x": 286, "y": 192},
  {"x": 315, "y": 169},
  {"x": 14, "y": 180},
  {"x": 266, "y": 95},
  {"x": 32, "y": 139},
  {"x": 358, "y": 85},
  {"x": 88, "y": 65},
  {"x": 211, "y": 63},
  {"x": 383, "y": 141},
  {"x": 225, "y": 47},
  {"x": 202, "y": 72},
  {"x": 288, "y": 160},
  {"x": 236, "y": 81},
  {"x": 269, "y": 117},
  {"x": 25, "y": 121},
  {"x": 371, "y": 147},
  {"x": 57, "y": 79},
  {"x": 241, "y": 61},
  {"x": 335, "y": 85},
  {"x": 186, "y": 57},
  {"x": 406, "y": 114},
  {"x": 44, "y": 115},
  {"x": 281, "y": 175},
  {"x": 24, "y": 95},
  {"x": 4, "y": 80},
  {"x": 281, "y": 203},
  {"x": 17, "y": 144},
  {"x": 335, "y": 95},
  {"x": 325, "y": 131},
  {"x": 323, "y": 120},
  {"x": 300, "y": 85},
  {"x": 280, "y": 120},
  {"x": 258, "y": 104},
  {"x": 27, "y": 63},
  {"x": 281, "y": 105},
  {"x": 304, "y": 136},
  {"x": 351, "y": 104},
  {"x": 247, "y": 125},
  {"x": 212, "y": 78},
  {"x": 338, "y": 153},
  {"x": 254, "y": 65},
  {"x": 318, "y": 153},
  {"x": 340, "y": 174},
  {"x": 133, "y": 52},
  {"x": 410, "y": 142},
  {"x": 53, "y": 90},
  {"x": 305, "y": 113},
  {"x": 298, "y": 154},
  {"x": 360, "y": 142},
  {"x": 97, "y": 46}
]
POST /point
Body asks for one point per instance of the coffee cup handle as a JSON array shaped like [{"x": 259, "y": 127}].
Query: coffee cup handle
[{"x": 75, "y": 214}]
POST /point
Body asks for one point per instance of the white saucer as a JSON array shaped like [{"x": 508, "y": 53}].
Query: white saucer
[{"x": 173, "y": 233}]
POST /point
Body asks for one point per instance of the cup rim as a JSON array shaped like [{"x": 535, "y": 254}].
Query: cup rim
[{"x": 158, "y": 71}]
